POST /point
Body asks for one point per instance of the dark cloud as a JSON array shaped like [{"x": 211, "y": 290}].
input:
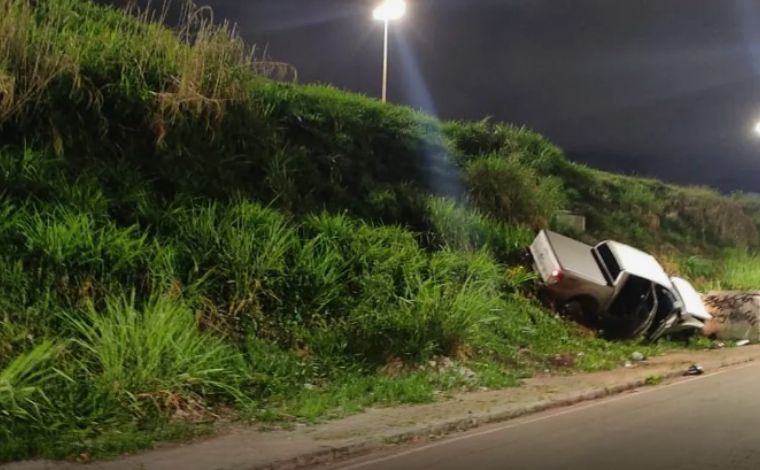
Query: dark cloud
[{"x": 667, "y": 88}]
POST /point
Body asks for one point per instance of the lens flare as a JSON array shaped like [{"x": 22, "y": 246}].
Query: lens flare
[
  {"x": 439, "y": 171},
  {"x": 390, "y": 10}
]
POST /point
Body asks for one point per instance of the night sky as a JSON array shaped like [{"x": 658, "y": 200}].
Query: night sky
[{"x": 665, "y": 88}]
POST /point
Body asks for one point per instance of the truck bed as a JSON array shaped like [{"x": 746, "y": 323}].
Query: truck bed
[{"x": 575, "y": 257}]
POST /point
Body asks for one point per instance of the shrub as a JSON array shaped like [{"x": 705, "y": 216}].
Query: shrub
[
  {"x": 699, "y": 268},
  {"x": 152, "y": 357},
  {"x": 65, "y": 237},
  {"x": 740, "y": 270},
  {"x": 26, "y": 411},
  {"x": 511, "y": 191},
  {"x": 275, "y": 371},
  {"x": 440, "y": 314},
  {"x": 712, "y": 218},
  {"x": 232, "y": 260},
  {"x": 73, "y": 258},
  {"x": 473, "y": 140},
  {"x": 465, "y": 229},
  {"x": 21, "y": 387}
]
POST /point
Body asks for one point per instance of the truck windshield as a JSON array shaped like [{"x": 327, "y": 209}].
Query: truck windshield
[{"x": 609, "y": 264}]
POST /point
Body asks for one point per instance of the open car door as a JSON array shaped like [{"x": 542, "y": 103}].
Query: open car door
[{"x": 632, "y": 311}]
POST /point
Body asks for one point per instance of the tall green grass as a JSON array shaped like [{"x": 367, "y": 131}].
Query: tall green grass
[
  {"x": 22, "y": 398},
  {"x": 27, "y": 410},
  {"x": 236, "y": 305},
  {"x": 466, "y": 229},
  {"x": 121, "y": 369},
  {"x": 740, "y": 270},
  {"x": 136, "y": 357}
]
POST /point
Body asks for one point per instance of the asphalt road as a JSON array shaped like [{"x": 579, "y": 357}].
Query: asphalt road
[{"x": 708, "y": 422}]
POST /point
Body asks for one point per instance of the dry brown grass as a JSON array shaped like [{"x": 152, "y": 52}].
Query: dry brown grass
[
  {"x": 199, "y": 75},
  {"x": 28, "y": 62},
  {"x": 716, "y": 216},
  {"x": 212, "y": 63}
]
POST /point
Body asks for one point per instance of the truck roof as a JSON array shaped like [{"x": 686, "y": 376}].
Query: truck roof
[{"x": 639, "y": 263}]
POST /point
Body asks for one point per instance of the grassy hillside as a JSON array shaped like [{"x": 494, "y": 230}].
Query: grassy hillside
[{"x": 185, "y": 241}]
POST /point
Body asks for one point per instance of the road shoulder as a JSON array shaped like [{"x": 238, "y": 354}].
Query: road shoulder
[{"x": 377, "y": 428}]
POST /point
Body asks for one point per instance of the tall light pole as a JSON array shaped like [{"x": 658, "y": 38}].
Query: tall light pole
[{"x": 386, "y": 12}]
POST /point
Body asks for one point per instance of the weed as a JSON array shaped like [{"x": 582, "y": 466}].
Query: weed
[{"x": 653, "y": 380}]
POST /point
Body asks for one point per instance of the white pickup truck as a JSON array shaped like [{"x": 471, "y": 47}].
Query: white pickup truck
[{"x": 615, "y": 287}]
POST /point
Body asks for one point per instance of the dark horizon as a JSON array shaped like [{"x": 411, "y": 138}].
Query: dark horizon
[{"x": 645, "y": 87}]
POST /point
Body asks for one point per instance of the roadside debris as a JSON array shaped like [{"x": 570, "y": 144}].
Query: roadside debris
[
  {"x": 466, "y": 373},
  {"x": 743, "y": 342},
  {"x": 440, "y": 364},
  {"x": 637, "y": 357},
  {"x": 566, "y": 360},
  {"x": 694, "y": 370},
  {"x": 736, "y": 316}
]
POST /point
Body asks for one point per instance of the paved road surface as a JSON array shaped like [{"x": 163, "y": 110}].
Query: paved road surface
[{"x": 709, "y": 422}]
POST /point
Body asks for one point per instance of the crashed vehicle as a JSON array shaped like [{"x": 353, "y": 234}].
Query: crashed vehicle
[{"x": 615, "y": 288}]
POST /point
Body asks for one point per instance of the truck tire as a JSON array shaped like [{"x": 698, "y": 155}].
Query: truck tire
[{"x": 582, "y": 310}]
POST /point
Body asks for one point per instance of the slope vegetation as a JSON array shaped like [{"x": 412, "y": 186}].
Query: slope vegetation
[{"x": 184, "y": 240}]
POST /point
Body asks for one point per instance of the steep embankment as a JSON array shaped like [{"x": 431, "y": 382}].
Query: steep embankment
[{"x": 182, "y": 238}]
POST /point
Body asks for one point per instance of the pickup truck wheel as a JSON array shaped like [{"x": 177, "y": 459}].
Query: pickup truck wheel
[
  {"x": 572, "y": 309},
  {"x": 580, "y": 310},
  {"x": 525, "y": 257}
]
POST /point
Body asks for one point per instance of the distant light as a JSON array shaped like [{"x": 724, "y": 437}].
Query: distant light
[
  {"x": 390, "y": 10},
  {"x": 757, "y": 128}
]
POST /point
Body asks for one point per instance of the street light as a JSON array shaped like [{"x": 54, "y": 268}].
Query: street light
[
  {"x": 757, "y": 127},
  {"x": 386, "y": 12}
]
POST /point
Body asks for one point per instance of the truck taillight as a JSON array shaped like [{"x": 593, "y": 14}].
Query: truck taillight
[{"x": 556, "y": 277}]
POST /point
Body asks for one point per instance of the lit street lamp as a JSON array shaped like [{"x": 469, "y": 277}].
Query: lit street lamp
[
  {"x": 386, "y": 12},
  {"x": 757, "y": 127}
]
